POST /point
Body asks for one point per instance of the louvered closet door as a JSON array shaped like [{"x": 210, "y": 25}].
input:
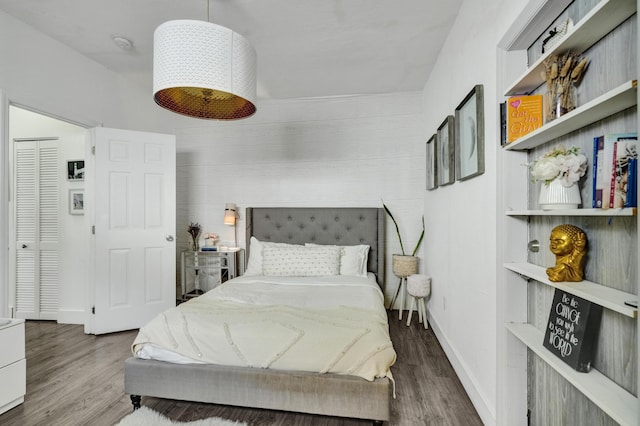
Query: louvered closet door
[{"x": 36, "y": 225}]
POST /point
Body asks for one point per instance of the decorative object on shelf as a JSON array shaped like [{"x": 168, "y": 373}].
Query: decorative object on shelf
[
  {"x": 203, "y": 70},
  {"x": 418, "y": 287},
  {"x": 432, "y": 163},
  {"x": 446, "y": 152},
  {"x": 572, "y": 330},
  {"x": 210, "y": 239},
  {"x": 556, "y": 34},
  {"x": 524, "y": 115},
  {"x": 560, "y": 170},
  {"x": 403, "y": 265},
  {"x": 569, "y": 244},
  {"x": 469, "y": 135},
  {"x": 194, "y": 231},
  {"x": 562, "y": 73}
]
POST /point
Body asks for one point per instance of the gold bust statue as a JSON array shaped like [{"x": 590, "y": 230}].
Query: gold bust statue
[{"x": 568, "y": 243}]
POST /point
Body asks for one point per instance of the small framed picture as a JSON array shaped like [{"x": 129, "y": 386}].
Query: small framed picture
[
  {"x": 432, "y": 164},
  {"x": 469, "y": 135},
  {"x": 446, "y": 152},
  {"x": 75, "y": 170},
  {"x": 76, "y": 201}
]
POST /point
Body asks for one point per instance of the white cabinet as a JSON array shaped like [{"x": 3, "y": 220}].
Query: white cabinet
[
  {"x": 13, "y": 365},
  {"x": 526, "y": 369}
]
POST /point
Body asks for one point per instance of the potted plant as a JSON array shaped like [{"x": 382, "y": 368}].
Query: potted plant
[
  {"x": 559, "y": 170},
  {"x": 403, "y": 264}
]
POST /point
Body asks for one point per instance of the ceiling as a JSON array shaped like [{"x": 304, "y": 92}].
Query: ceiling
[{"x": 311, "y": 48}]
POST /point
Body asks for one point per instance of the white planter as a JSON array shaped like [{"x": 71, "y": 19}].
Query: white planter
[{"x": 556, "y": 196}]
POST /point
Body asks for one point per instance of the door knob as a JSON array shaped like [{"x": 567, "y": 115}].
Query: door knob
[{"x": 169, "y": 237}]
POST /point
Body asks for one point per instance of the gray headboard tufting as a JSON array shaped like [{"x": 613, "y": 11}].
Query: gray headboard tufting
[{"x": 321, "y": 225}]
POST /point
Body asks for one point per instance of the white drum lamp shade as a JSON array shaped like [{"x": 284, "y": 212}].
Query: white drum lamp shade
[{"x": 203, "y": 70}]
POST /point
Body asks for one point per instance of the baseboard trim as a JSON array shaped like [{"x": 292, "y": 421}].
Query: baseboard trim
[
  {"x": 71, "y": 317},
  {"x": 484, "y": 409}
]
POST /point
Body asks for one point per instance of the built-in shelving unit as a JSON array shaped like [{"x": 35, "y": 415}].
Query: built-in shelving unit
[
  {"x": 515, "y": 228},
  {"x": 630, "y": 211},
  {"x": 619, "y": 404},
  {"x": 606, "y": 297},
  {"x": 603, "y": 17},
  {"x": 622, "y": 97}
]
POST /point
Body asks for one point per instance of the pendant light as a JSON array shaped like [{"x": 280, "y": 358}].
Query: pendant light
[{"x": 203, "y": 70}]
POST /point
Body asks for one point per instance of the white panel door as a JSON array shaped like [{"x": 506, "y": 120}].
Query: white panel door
[
  {"x": 35, "y": 257},
  {"x": 134, "y": 213}
]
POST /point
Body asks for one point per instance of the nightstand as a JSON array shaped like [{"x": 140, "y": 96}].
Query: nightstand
[
  {"x": 13, "y": 365},
  {"x": 202, "y": 271}
]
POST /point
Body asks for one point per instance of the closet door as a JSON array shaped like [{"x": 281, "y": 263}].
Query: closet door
[{"x": 36, "y": 229}]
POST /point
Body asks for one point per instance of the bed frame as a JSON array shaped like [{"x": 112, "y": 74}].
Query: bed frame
[{"x": 327, "y": 394}]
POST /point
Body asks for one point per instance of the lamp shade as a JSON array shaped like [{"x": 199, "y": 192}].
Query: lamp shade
[
  {"x": 203, "y": 70},
  {"x": 229, "y": 214}
]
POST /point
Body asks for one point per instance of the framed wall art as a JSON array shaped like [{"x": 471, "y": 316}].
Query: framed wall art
[
  {"x": 75, "y": 170},
  {"x": 469, "y": 135},
  {"x": 432, "y": 163},
  {"x": 76, "y": 201},
  {"x": 446, "y": 152}
]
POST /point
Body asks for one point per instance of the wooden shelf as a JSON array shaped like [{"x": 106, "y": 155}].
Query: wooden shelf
[
  {"x": 604, "y": 296},
  {"x": 616, "y": 100},
  {"x": 603, "y": 18},
  {"x": 631, "y": 211},
  {"x": 619, "y": 404}
]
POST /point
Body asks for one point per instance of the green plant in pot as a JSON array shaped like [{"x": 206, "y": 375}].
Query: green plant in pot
[{"x": 403, "y": 264}]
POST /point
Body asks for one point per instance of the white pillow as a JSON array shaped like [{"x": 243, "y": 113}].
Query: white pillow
[
  {"x": 353, "y": 260},
  {"x": 300, "y": 261},
  {"x": 254, "y": 265}
]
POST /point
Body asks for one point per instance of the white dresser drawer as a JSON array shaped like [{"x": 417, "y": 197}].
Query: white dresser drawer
[
  {"x": 14, "y": 385},
  {"x": 12, "y": 343}
]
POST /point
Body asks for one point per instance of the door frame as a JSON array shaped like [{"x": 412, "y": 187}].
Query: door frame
[{"x": 6, "y": 304}]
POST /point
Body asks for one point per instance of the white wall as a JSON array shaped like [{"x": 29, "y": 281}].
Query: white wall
[
  {"x": 344, "y": 151},
  {"x": 460, "y": 248}
]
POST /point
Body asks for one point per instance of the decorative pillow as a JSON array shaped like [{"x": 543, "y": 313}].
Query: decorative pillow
[
  {"x": 254, "y": 265},
  {"x": 300, "y": 261},
  {"x": 353, "y": 259}
]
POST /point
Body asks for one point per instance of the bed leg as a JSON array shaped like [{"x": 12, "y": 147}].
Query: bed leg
[{"x": 135, "y": 401}]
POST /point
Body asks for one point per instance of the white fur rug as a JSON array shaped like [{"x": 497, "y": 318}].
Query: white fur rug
[{"x": 147, "y": 417}]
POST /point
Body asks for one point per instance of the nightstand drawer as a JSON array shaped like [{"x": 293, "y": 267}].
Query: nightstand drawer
[
  {"x": 13, "y": 378},
  {"x": 12, "y": 343}
]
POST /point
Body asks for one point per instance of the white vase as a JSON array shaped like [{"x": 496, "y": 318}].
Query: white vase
[{"x": 556, "y": 196}]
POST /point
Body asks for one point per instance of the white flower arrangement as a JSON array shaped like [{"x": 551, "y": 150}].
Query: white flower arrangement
[{"x": 566, "y": 165}]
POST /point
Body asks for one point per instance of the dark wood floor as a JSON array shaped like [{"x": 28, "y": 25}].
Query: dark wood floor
[{"x": 77, "y": 379}]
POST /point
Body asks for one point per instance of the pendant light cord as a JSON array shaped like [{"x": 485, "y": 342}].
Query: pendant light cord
[{"x": 208, "y": 16}]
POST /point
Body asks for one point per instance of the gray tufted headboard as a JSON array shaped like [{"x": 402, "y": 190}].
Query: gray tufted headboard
[{"x": 321, "y": 225}]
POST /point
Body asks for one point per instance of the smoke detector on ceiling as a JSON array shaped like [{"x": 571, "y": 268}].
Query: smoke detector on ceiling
[{"x": 122, "y": 42}]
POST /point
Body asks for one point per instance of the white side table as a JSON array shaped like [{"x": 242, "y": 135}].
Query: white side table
[
  {"x": 418, "y": 287},
  {"x": 13, "y": 365}
]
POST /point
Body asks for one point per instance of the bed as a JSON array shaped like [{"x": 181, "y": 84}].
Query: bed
[{"x": 364, "y": 394}]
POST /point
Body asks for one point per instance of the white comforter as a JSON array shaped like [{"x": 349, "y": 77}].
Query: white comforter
[{"x": 327, "y": 324}]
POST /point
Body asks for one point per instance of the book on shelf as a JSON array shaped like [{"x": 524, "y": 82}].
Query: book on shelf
[
  {"x": 503, "y": 123},
  {"x": 623, "y": 152},
  {"x": 524, "y": 115},
  {"x": 603, "y": 167},
  {"x": 632, "y": 189}
]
